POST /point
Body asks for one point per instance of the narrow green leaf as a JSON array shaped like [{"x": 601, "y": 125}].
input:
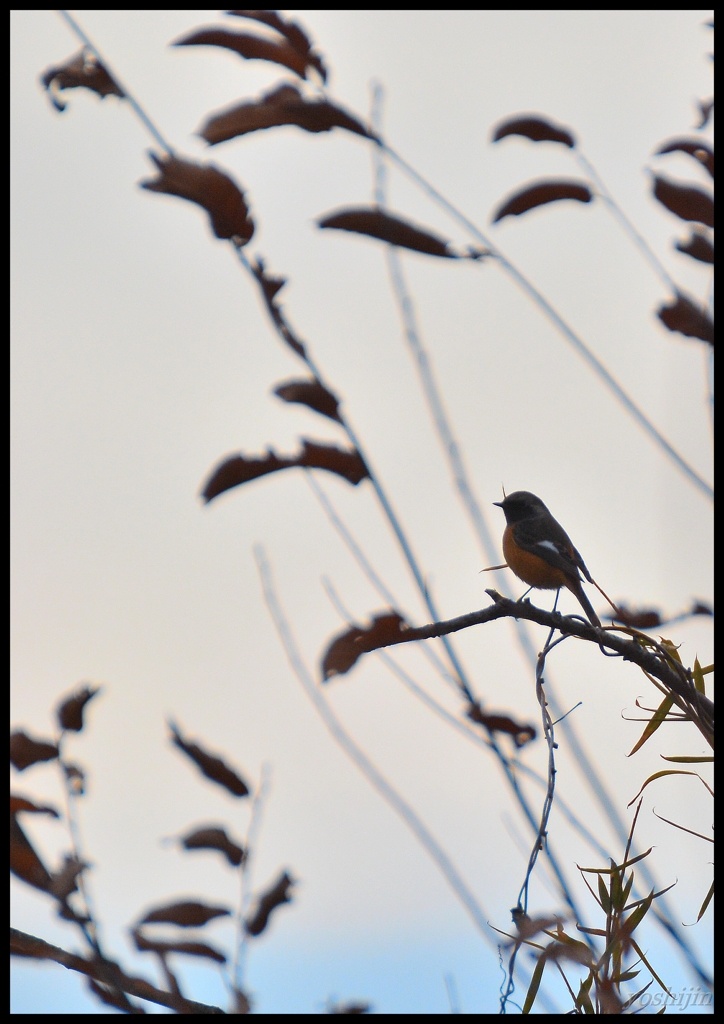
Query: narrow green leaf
[
  {"x": 634, "y": 919},
  {"x": 616, "y": 867},
  {"x": 659, "y": 775},
  {"x": 628, "y": 888},
  {"x": 654, "y": 722},
  {"x": 534, "y": 983},
  {"x": 706, "y": 902},
  {"x": 687, "y": 760},
  {"x": 650, "y": 968},
  {"x": 698, "y": 677}
]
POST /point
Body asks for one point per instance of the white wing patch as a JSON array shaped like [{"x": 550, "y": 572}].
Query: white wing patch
[{"x": 548, "y": 544}]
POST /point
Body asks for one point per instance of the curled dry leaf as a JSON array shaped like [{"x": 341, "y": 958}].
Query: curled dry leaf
[
  {"x": 272, "y": 898},
  {"x": 247, "y": 46},
  {"x": 82, "y": 70},
  {"x": 578, "y": 952},
  {"x": 687, "y": 318},
  {"x": 21, "y": 803},
  {"x": 65, "y": 882},
  {"x": 698, "y": 247},
  {"x": 370, "y": 221},
  {"x": 705, "y": 109},
  {"x": 529, "y": 927},
  {"x": 212, "y": 767},
  {"x": 698, "y": 148},
  {"x": 214, "y": 838},
  {"x": 269, "y": 287},
  {"x": 349, "y": 1007},
  {"x": 70, "y": 711},
  {"x": 109, "y": 996},
  {"x": 292, "y": 32},
  {"x": 187, "y": 914},
  {"x": 638, "y": 618},
  {"x": 239, "y": 470},
  {"x": 541, "y": 193},
  {"x": 345, "y": 649},
  {"x": 309, "y": 392},
  {"x": 685, "y": 201},
  {"x": 521, "y": 734},
  {"x": 284, "y": 105},
  {"x": 535, "y": 128},
  {"x": 208, "y": 187},
  {"x": 190, "y": 948},
  {"x": 24, "y": 861},
  {"x": 25, "y": 751}
]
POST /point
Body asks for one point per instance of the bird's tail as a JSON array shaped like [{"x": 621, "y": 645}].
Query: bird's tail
[{"x": 586, "y": 605}]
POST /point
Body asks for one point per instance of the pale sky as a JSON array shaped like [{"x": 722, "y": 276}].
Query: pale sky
[{"x": 141, "y": 356}]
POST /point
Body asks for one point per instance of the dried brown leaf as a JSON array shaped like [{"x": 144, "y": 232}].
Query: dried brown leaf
[
  {"x": 249, "y": 47},
  {"x": 272, "y": 898},
  {"x": 699, "y": 149},
  {"x": 24, "y": 861},
  {"x": 70, "y": 711},
  {"x": 214, "y": 838},
  {"x": 63, "y": 883},
  {"x": 269, "y": 287},
  {"x": 686, "y": 318},
  {"x": 211, "y": 766},
  {"x": 638, "y": 618},
  {"x": 705, "y": 109},
  {"x": 541, "y": 193},
  {"x": 699, "y": 247},
  {"x": 82, "y": 70},
  {"x": 309, "y": 392},
  {"x": 292, "y": 32},
  {"x": 370, "y": 221},
  {"x": 528, "y": 927},
  {"x": 239, "y": 470},
  {"x": 208, "y": 187},
  {"x": 535, "y": 128},
  {"x": 25, "y": 751},
  {"x": 202, "y": 949},
  {"x": 187, "y": 914},
  {"x": 686, "y": 201},
  {"x": 521, "y": 734},
  {"x": 345, "y": 649},
  {"x": 349, "y": 1007},
  {"x": 283, "y": 105},
  {"x": 21, "y": 803}
]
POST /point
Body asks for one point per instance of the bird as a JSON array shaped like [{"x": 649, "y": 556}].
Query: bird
[{"x": 539, "y": 551}]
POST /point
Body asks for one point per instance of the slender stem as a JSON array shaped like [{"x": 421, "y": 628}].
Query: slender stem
[
  {"x": 558, "y": 322},
  {"x": 133, "y": 102}
]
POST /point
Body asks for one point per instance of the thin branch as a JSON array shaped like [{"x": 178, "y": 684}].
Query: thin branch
[
  {"x": 137, "y": 108},
  {"x": 453, "y": 452},
  {"x": 509, "y": 767},
  {"x": 357, "y": 755},
  {"x": 103, "y": 971},
  {"x": 558, "y": 322},
  {"x": 674, "y": 676},
  {"x": 369, "y": 571}
]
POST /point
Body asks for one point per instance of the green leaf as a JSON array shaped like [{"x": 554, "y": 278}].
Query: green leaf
[
  {"x": 706, "y": 902},
  {"x": 654, "y": 722},
  {"x": 698, "y": 677},
  {"x": 534, "y": 983}
]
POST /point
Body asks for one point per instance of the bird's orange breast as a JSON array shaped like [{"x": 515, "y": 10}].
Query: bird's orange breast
[{"x": 530, "y": 568}]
